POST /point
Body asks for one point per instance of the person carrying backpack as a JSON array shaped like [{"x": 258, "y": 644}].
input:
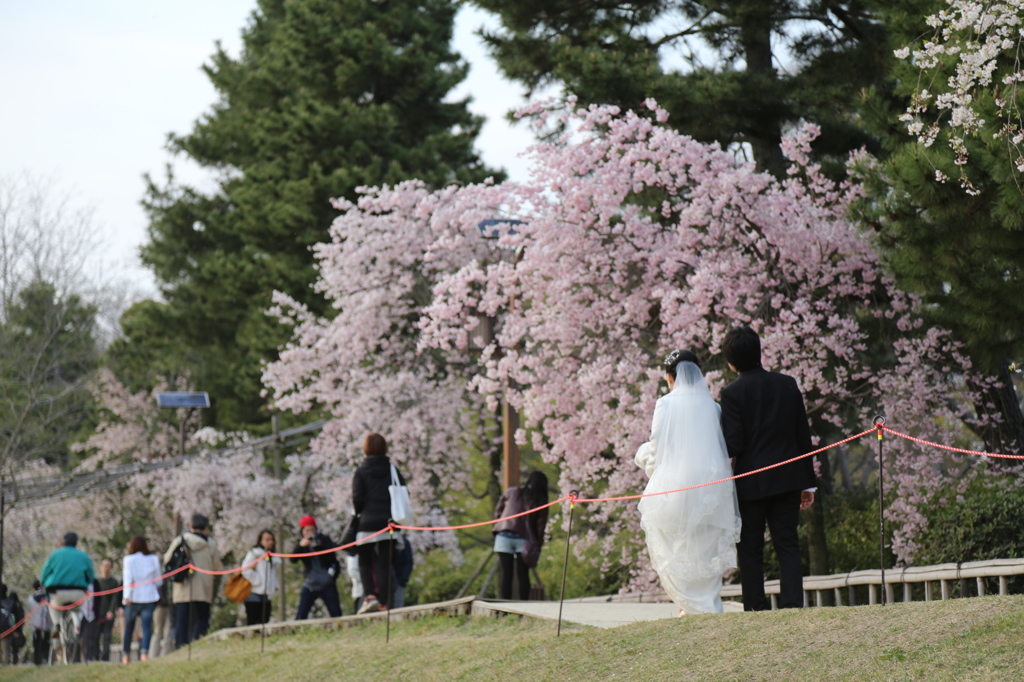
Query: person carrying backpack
[
  {"x": 193, "y": 593},
  {"x": 11, "y": 613}
]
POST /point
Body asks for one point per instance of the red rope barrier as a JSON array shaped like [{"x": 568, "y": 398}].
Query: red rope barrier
[
  {"x": 22, "y": 621},
  {"x": 571, "y": 497},
  {"x": 328, "y": 551},
  {"x": 948, "y": 447},
  {"x": 484, "y": 523},
  {"x": 730, "y": 478}
]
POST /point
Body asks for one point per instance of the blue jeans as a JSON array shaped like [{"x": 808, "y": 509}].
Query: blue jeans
[
  {"x": 131, "y": 613},
  {"x": 329, "y": 595}
]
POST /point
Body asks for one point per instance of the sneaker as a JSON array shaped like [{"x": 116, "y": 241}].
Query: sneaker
[{"x": 369, "y": 606}]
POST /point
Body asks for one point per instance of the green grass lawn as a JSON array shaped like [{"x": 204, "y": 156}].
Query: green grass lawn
[{"x": 964, "y": 639}]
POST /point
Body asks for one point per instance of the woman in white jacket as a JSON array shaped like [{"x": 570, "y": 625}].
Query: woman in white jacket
[
  {"x": 141, "y": 582},
  {"x": 263, "y": 577}
]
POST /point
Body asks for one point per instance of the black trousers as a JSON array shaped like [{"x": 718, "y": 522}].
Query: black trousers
[
  {"x": 377, "y": 555},
  {"x": 781, "y": 513},
  {"x": 106, "y": 633},
  {"x": 40, "y": 646},
  {"x": 90, "y": 640},
  {"x": 512, "y": 566},
  {"x": 200, "y": 622},
  {"x": 258, "y": 612}
]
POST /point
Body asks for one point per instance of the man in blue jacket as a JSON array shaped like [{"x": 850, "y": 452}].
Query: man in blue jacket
[{"x": 66, "y": 576}]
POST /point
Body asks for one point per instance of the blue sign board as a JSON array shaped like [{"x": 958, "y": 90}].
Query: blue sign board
[{"x": 183, "y": 399}]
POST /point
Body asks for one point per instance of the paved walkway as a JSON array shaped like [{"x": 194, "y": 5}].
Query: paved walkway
[{"x": 601, "y": 615}]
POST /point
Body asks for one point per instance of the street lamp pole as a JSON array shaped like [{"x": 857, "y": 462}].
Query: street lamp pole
[
  {"x": 191, "y": 400},
  {"x": 509, "y": 447},
  {"x": 492, "y": 229}
]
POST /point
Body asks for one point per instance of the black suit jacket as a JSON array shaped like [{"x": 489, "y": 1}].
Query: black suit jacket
[{"x": 764, "y": 422}]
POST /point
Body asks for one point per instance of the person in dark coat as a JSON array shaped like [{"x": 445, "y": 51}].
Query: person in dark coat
[
  {"x": 511, "y": 535},
  {"x": 42, "y": 626},
  {"x": 321, "y": 570},
  {"x": 108, "y": 606},
  {"x": 372, "y": 501},
  {"x": 404, "y": 562},
  {"x": 14, "y": 613},
  {"x": 764, "y": 422}
]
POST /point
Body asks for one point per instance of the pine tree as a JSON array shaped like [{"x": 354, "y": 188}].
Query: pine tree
[
  {"x": 326, "y": 96},
  {"x": 623, "y": 51},
  {"x": 962, "y": 251}
]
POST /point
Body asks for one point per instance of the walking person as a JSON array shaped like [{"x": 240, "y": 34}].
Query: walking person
[
  {"x": 192, "y": 596},
  {"x": 512, "y": 535},
  {"x": 765, "y": 422},
  {"x": 90, "y": 624},
  {"x": 352, "y": 568},
  {"x": 262, "y": 577},
  {"x": 42, "y": 626},
  {"x": 404, "y": 562},
  {"x": 108, "y": 607},
  {"x": 372, "y": 501},
  {"x": 11, "y": 613},
  {"x": 142, "y": 579},
  {"x": 691, "y": 535},
  {"x": 163, "y": 633},
  {"x": 321, "y": 570}
]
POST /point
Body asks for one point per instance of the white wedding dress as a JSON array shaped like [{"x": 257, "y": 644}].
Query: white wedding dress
[{"x": 691, "y": 535}]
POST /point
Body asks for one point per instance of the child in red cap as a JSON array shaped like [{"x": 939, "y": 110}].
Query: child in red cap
[{"x": 321, "y": 570}]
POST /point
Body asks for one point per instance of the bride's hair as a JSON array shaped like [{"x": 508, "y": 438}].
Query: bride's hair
[{"x": 677, "y": 356}]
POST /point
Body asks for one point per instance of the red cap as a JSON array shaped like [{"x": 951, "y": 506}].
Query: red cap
[{"x": 307, "y": 521}]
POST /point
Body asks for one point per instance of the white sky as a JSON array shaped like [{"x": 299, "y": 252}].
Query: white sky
[{"x": 91, "y": 89}]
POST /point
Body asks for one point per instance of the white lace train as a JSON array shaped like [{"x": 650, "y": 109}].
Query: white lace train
[{"x": 691, "y": 535}]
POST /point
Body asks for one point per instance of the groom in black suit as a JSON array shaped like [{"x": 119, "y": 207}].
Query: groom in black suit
[{"x": 764, "y": 422}]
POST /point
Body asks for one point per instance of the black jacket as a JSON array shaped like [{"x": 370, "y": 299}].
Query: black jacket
[
  {"x": 764, "y": 422},
  {"x": 321, "y": 542},
  {"x": 370, "y": 494}
]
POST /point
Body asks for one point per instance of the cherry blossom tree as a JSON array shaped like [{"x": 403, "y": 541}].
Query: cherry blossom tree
[
  {"x": 633, "y": 239},
  {"x": 364, "y": 367},
  {"x": 969, "y": 69}
]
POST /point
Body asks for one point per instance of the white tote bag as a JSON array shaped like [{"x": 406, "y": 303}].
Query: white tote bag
[{"x": 401, "y": 505}]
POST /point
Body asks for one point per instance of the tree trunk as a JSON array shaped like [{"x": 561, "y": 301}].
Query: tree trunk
[
  {"x": 817, "y": 544},
  {"x": 764, "y": 135},
  {"x": 1006, "y": 435},
  {"x": 494, "y": 462}
]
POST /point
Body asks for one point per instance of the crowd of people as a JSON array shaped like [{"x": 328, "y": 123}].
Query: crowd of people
[{"x": 163, "y": 614}]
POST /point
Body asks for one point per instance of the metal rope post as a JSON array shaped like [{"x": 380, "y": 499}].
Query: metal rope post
[
  {"x": 573, "y": 495},
  {"x": 879, "y": 422},
  {"x": 391, "y": 570},
  {"x": 191, "y": 576},
  {"x": 265, "y": 601}
]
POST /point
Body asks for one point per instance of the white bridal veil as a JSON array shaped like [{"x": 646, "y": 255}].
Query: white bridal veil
[{"x": 691, "y": 535}]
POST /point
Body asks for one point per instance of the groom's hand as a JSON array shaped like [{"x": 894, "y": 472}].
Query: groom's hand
[{"x": 806, "y": 499}]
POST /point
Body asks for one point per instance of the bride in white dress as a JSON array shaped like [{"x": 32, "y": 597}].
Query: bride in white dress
[{"x": 691, "y": 535}]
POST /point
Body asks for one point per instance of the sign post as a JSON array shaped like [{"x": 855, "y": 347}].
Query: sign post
[{"x": 192, "y": 401}]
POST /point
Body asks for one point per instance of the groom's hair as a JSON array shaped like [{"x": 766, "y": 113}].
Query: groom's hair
[{"x": 742, "y": 349}]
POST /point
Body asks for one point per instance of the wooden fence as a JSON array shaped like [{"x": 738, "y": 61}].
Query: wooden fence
[{"x": 842, "y": 589}]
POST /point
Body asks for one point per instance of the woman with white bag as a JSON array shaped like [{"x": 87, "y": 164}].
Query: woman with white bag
[{"x": 379, "y": 495}]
